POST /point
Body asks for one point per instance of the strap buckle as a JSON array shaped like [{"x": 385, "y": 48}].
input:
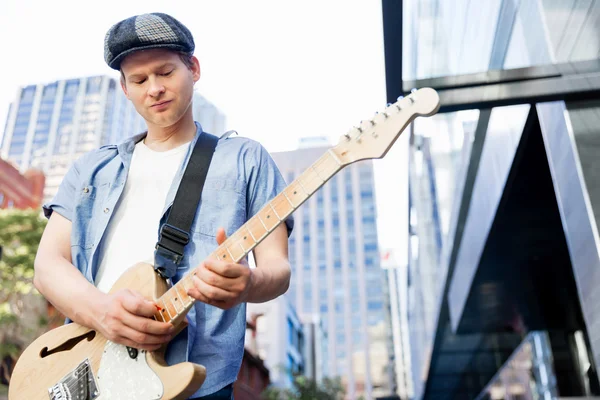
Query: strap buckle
[
  {"x": 174, "y": 234},
  {"x": 170, "y": 235}
]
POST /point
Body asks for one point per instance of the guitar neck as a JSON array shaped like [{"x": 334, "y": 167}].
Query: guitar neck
[
  {"x": 176, "y": 303},
  {"x": 371, "y": 139}
]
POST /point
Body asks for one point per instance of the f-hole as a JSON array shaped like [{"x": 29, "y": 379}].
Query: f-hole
[{"x": 69, "y": 344}]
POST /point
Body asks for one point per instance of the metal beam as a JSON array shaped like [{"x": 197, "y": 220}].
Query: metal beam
[
  {"x": 392, "y": 32},
  {"x": 496, "y": 76},
  {"x": 559, "y": 82},
  {"x": 573, "y": 88}
]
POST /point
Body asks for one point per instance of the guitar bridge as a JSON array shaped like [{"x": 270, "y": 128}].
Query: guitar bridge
[{"x": 78, "y": 384}]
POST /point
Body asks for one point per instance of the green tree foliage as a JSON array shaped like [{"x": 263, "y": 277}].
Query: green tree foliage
[
  {"x": 308, "y": 389},
  {"x": 22, "y": 310}
]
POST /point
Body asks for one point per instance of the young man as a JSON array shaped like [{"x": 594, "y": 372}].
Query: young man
[{"x": 112, "y": 202}]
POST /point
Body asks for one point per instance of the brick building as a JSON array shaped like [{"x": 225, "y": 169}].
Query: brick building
[
  {"x": 253, "y": 377},
  {"x": 20, "y": 191}
]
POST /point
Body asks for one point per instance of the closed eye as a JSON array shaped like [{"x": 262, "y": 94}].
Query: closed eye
[{"x": 167, "y": 73}]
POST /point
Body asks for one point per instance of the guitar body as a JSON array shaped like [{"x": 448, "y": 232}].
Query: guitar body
[{"x": 78, "y": 363}]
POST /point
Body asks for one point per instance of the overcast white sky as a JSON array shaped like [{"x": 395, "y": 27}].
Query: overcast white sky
[{"x": 279, "y": 69}]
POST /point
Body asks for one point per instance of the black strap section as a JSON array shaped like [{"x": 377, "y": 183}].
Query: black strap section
[{"x": 174, "y": 234}]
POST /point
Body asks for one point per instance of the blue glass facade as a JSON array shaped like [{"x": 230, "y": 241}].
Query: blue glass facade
[
  {"x": 445, "y": 38},
  {"x": 51, "y": 125},
  {"x": 336, "y": 271}
]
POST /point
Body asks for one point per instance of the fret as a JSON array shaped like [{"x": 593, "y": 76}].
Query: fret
[
  {"x": 174, "y": 302},
  {"x": 166, "y": 308},
  {"x": 262, "y": 222},
  {"x": 258, "y": 229},
  {"x": 282, "y": 206},
  {"x": 251, "y": 234},
  {"x": 317, "y": 174},
  {"x": 182, "y": 293},
  {"x": 330, "y": 165},
  {"x": 295, "y": 195},
  {"x": 236, "y": 255},
  {"x": 268, "y": 219},
  {"x": 183, "y": 282},
  {"x": 335, "y": 157},
  {"x": 274, "y": 211},
  {"x": 288, "y": 199},
  {"x": 310, "y": 181},
  {"x": 229, "y": 251},
  {"x": 245, "y": 239}
]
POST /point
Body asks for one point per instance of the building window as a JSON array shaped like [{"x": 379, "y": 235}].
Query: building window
[
  {"x": 366, "y": 194},
  {"x": 290, "y": 332},
  {"x": 300, "y": 342}
]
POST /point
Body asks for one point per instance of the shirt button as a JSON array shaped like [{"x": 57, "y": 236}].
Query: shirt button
[
  {"x": 86, "y": 190},
  {"x": 106, "y": 210}
]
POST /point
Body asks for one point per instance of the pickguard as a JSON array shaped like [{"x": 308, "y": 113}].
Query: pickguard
[{"x": 122, "y": 378}]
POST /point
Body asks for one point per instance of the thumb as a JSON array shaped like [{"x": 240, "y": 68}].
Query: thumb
[{"x": 221, "y": 236}]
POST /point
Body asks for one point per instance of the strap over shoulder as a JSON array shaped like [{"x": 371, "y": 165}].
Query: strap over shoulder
[{"x": 175, "y": 232}]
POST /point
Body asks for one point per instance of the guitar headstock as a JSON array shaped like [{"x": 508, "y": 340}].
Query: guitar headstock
[{"x": 373, "y": 138}]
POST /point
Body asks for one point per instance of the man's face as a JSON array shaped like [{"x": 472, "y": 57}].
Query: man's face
[{"x": 159, "y": 85}]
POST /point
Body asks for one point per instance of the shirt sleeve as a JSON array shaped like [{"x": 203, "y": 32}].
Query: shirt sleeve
[
  {"x": 264, "y": 183},
  {"x": 64, "y": 200}
]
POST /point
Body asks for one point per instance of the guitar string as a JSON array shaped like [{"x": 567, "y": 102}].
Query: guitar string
[
  {"x": 74, "y": 385},
  {"x": 237, "y": 241}
]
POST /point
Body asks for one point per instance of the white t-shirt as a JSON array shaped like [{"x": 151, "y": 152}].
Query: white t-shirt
[{"x": 132, "y": 232}]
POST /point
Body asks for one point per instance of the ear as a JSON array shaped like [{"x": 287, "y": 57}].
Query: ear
[
  {"x": 195, "y": 69},
  {"x": 124, "y": 87}
]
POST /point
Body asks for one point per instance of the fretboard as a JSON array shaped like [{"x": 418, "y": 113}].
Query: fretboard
[{"x": 175, "y": 303}]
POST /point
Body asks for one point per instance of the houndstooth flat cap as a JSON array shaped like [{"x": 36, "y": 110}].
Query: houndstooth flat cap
[{"x": 146, "y": 31}]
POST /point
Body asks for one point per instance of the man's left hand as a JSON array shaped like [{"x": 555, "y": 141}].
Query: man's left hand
[{"x": 219, "y": 283}]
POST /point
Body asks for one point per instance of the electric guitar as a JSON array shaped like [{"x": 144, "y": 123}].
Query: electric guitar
[{"x": 73, "y": 362}]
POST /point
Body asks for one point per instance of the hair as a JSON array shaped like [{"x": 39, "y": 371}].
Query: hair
[{"x": 186, "y": 58}]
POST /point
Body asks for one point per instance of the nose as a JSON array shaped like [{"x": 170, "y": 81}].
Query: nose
[{"x": 156, "y": 87}]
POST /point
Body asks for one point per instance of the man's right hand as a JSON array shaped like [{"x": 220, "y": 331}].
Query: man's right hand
[{"x": 125, "y": 317}]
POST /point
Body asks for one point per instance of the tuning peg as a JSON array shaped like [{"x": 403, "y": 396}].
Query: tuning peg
[
  {"x": 412, "y": 99},
  {"x": 347, "y": 136},
  {"x": 400, "y": 97}
]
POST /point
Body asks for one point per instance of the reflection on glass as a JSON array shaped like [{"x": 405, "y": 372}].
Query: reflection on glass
[
  {"x": 439, "y": 153},
  {"x": 528, "y": 373},
  {"x": 458, "y": 37}
]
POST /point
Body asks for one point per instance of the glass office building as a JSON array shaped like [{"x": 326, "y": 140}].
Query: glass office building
[
  {"x": 503, "y": 216},
  {"x": 336, "y": 271},
  {"x": 50, "y": 125}
]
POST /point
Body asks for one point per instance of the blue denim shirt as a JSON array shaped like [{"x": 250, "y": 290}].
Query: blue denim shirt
[{"x": 241, "y": 179}]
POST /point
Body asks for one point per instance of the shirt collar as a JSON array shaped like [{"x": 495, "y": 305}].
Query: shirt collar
[{"x": 125, "y": 148}]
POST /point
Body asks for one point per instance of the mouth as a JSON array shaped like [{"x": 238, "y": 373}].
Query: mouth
[{"x": 161, "y": 104}]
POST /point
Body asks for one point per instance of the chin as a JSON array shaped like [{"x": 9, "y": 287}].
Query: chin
[{"x": 162, "y": 120}]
